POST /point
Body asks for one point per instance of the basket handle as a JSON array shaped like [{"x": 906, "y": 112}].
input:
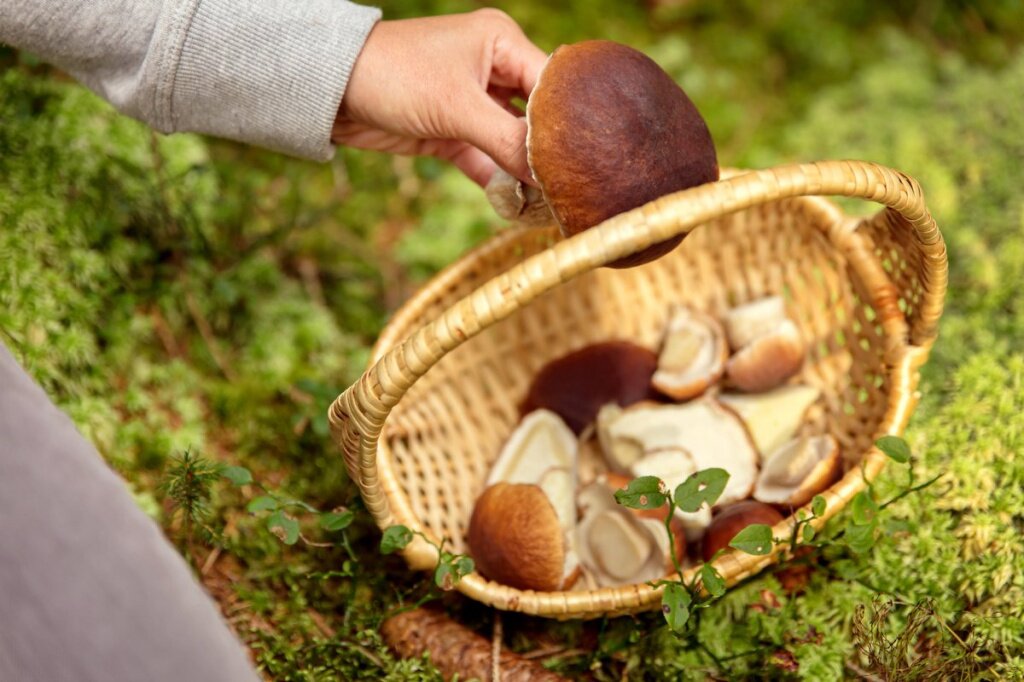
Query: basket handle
[{"x": 357, "y": 416}]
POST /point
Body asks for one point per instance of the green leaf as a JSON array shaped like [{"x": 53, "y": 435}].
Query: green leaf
[
  {"x": 754, "y": 539},
  {"x": 864, "y": 508},
  {"x": 451, "y": 570},
  {"x": 284, "y": 527},
  {"x": 335, "y": 521},
  {"x": 394, "y": 539},
  {"x": 860, "y": 538},
  {"x": 703, "y": 487},
  {"x": 262, "y": 503},
  {"x": 808, "y": 532},
  {"x": 895, "y": 447},
  {"x": 713, "y": 580},
  {"x": 675, "y": 606},
  {"x": 237, "y": 475},
  {"x": 646, "y": 492},
  {"x": 818, "y": 505}
]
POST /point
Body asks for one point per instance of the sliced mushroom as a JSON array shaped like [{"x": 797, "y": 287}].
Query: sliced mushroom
[
  {"x": 768, "y": 360},
  {"x": 750, "y": 321},
  {"x": 798, "y": 471},
  {"x": 713, "y": 436},
  {"x": 595, "y": 104},
  {"x": 620, "y": 546},
  {"x": 577, "y": 385},
  {"x": 772, "y": 418},
  {"x": 540, "y": 442},
  {"x": 516, "y": 538},
  {"x": 674, "y": 466},
  {"x": 693, "y": 354},
  {"x": 731, "y": 520}
]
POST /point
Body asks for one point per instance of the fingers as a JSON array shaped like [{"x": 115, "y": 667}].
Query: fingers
[
  {"x": 499, "y": 134},
  {"x": 473, "y": 163},
  {"x": 517, "y": 61}
]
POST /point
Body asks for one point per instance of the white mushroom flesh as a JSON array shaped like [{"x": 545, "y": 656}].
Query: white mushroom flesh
[
  {"x": 802, "y": 463},
  {"x": 773, "y": 417},
  {"x": 541, "y": 441},
  {"x": 749, "y": 321}
]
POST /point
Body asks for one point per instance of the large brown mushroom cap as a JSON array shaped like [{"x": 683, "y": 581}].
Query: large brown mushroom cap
[
  {"x": 516, "y": 538},
  {"x": 609, "y": 130},
  {"x": 577, "y": 385}
]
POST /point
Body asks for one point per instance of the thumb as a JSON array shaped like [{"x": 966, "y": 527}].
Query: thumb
[{"x": 500, "y": 134}]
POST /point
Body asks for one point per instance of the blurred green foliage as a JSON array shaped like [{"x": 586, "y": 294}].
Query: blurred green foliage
[{"x": 179, "y": 292}]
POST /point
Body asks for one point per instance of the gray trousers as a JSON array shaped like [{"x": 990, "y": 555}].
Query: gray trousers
[{"x": 89, "y": 587}]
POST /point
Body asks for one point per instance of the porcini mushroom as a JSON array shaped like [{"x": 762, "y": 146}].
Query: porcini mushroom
[
  {"x": 693, "y": 354},
  {"x": 713, "y": 435},
  {"x": 768, "y": 360},
  {"x": 731, "y": 520},
  {"x": 772, "y": 418},
  {"x": 619, "y": 546},
  {"x": 517, "y": 538},
  {"x": 752, "y": 320},
  {"x": 514, "y": 200},
  {"x": 540, "y": 441},
  {"x": 798, "y": 471},
  {"x": 608, "y": 130},
  {"x": 577, "y": 385}
]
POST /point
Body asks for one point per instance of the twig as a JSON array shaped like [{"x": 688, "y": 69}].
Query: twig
[
  {"x": 211, "y": 559},
  {"x": 862, "y": 674},
  {"x": 205, "y": 331},
  {"x": 496, "y": 635}
]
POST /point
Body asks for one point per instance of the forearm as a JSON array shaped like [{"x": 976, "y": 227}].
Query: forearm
[{"x": 265, "y": 72}]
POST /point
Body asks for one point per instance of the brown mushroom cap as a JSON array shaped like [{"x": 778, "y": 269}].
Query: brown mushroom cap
[
  {"x": 769, "y": 360},
  {"x": 577, "y": 385},
  {"x": 734, "y": 518},
  {"x": 609, "y": 130},
  {"x": 516, "y": 538}
]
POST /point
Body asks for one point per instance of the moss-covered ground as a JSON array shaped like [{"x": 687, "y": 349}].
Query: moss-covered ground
[{"x": 180, "y": 293}]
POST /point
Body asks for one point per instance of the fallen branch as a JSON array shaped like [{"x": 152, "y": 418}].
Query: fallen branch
[{"x": 455, "y": 649}]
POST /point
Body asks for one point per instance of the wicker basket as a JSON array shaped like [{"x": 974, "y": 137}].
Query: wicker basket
[{"x": 421, "y": 427}]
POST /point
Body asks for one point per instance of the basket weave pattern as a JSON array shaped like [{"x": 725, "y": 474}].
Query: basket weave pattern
[{"x": 866, "y": 295}]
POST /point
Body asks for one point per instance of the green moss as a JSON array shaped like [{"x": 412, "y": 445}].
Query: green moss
[{"x": 177, "y": 292}]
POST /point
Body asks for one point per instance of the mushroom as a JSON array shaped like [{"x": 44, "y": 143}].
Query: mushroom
[
  {"x": 608, "y": 130},
  {"x": 540, "y": 441},
  {"x": 577, "y": 385},
  {"x": 674, "y": 466},
  {"x": 798, "y": 471},
  {"x": 768, "y": 360},
  {"x": 711, "y": 434},
  {"x": 692, "y": 355},
  {"x": 620, "y": 546},
  {"x": 749, "y": 321},
  {"x": 513, "y": 199},
  {"x": 731, "y": 520},
  {"x": 772, "y": 418},
  {"x": 517, "y": 538}
]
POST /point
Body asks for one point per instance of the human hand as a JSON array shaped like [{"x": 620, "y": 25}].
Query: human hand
[{"x": 441, "y": 86}]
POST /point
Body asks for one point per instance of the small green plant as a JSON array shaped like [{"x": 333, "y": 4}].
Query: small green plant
[
  {"x": 682, "y": 601},
  {"x": 280, "y": 512},
  {"x": 188, "y": 484},
  {"x": 449, "y": 570}
]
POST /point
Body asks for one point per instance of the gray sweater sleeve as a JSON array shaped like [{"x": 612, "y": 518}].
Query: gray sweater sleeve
[{"x": 265, "y": 72}]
